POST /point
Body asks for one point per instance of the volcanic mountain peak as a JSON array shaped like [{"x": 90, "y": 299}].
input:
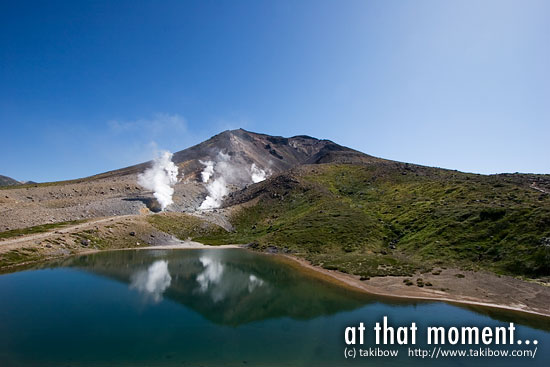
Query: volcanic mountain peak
[
  {"x": 235, "y": 156},
  {"x": 272, "y": 153}
]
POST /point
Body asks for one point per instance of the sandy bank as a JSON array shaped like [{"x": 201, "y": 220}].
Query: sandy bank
[
  {"x": 474, "y": 288},
  {"x": 182, "y": 245}
]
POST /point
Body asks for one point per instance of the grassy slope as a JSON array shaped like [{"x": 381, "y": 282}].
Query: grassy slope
[
  {"x": 99, "y": 236},
  {"x": 37, "y": 229},
  {"x": 183, "y": 226},
  {"x": 370, "y": 220},
  {"x": 378, "y": 220}
]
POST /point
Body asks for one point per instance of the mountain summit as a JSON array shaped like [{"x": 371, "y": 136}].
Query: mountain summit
[{"x": 273, "y": 153}]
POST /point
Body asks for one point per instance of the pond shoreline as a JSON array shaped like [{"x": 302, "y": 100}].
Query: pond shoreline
[
  {"x": 386, "y": 289},
  {"x": 479, "y": 289},
  {"x": 391, "y": 286}
]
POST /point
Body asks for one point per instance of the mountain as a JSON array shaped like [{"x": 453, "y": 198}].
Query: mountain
[
  {"x": 117, "y": 192},
  {"x": 275, "y": 153},
  {"x": 8, "y": 181},
  {"x": 332, "y": 205}
]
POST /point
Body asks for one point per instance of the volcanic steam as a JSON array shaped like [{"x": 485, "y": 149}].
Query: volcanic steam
[
  {"x": 223, "y": 172},
  {"x": 160, "y": 179}
]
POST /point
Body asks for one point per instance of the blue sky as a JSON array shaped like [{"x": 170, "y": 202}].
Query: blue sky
[{"x": 90, "y": 86}]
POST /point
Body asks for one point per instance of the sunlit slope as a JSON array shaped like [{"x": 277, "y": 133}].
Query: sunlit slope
[{"x": 392, "y": 218}]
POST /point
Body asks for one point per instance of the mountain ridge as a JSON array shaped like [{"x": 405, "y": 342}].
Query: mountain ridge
[
  {"x": 251, "y": 147},
  {"x": 8, "y": 181}
]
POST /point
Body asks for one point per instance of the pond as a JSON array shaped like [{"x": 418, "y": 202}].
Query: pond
[{"x": 213, "y": 307}]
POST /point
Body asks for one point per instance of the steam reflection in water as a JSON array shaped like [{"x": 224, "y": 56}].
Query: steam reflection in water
[
  {"x": 219, "y": 282},
  {"x": 153, "y": 281},
  {"x": 227, "y": 286},
  {"x": 268, "y": 313}
]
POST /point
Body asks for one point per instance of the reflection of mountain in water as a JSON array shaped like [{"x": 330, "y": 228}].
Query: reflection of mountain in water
[{"x": 229, "y": 287}]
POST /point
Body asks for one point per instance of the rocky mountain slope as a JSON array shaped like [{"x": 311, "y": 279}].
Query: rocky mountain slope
[
  {"x": 274, "y": 153},
  {"x": 8, "y": 181}
]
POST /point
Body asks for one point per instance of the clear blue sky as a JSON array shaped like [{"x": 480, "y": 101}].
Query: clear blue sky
[{"x": 90, "y": 86}]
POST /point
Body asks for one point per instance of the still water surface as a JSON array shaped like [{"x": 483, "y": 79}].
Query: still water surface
[{"x": 220, "y": 307}]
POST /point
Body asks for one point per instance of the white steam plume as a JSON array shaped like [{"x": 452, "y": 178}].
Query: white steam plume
[
  {"x": 160, "y": 179},
  {"x": 208, "y": 170},
  {"x": 223, "y": 172},
  {"x": 217, "y": 189},
  {"x": 257, "y": 174}
]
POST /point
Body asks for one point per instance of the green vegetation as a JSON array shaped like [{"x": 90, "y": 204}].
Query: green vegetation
[
  {"x": 370, "y": 220},
  {"x": 37, "y": 229},
  {"x": 114, "y": 236},
  {"x": 183, "y": 226},
  {"x": 393, "y": 219},
  {"x": 19, "y": 256}
]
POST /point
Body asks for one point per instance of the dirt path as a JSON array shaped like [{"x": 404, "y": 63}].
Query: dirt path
[
  {"x": 182, "y": 245},
  {"x": 10, "y": 243}
]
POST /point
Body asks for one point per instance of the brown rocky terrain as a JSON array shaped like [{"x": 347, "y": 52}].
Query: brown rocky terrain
[{"x": 37, "y": 204}]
